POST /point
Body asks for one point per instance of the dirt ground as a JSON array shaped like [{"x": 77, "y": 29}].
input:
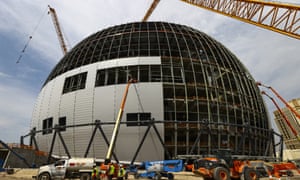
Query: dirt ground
[{"x": 26, "y": 174}]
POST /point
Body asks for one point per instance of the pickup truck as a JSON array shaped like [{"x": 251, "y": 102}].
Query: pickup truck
[{"x": 67, "y": 168}]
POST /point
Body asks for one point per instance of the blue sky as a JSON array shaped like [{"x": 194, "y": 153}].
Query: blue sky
[{"x": 270, "y": 57}]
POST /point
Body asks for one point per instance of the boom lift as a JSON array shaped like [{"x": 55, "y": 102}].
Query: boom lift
[
  {"x": 117, "y": 124},
  {"x": 106, "y": 165},
  {"x": 277, "y": 94},
  {"x": 58, "y": 30},
  {"x": 283, "y": 115},
  {"x": 280, "y": 17}
]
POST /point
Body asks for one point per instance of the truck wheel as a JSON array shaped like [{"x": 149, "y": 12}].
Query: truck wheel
[
  {"x": 170, "y": 176},
  {"x": 221, "y": 173},
  {"x": 136, "y": 176},
  {"x": 85, "y": 176},
  {"x": 250, "y": 174},
  {"x": 289, "y": 173},
  {"x": 44, "y": 176},
  {"x": 157, "y": 177}
]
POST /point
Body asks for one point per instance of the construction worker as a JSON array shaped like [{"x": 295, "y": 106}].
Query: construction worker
[
  {"x": 111, "y": 171},
  {"x": 95, "y": 173},
  {"x": 121, "y": 173}
]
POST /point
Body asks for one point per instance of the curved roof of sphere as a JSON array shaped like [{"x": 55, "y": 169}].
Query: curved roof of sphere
[{"x": 145, "y": 39}]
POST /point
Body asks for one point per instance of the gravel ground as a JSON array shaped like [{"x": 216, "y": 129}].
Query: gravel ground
[{"x": 26, "y": 174}]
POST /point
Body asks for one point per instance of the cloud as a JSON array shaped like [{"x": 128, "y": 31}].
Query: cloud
[{"x": 16, "y": 107}]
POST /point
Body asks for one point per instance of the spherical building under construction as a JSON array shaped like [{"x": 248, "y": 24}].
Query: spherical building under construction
[{"x": 197, "y": 95}]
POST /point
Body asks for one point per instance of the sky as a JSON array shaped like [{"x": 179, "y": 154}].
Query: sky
[{"x": 271, "y": 58}]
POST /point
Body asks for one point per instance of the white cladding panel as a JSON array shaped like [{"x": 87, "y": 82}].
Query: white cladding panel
[{"x": 100, "y": 103}]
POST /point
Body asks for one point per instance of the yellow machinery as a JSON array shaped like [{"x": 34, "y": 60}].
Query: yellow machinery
[{"x": 280, "y": 17}]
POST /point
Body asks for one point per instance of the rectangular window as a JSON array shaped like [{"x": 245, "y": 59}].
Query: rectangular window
[
  {"x": 138, "y": 119},
  {"x": 62, "y": 123},
  {"x": 75, "y": 82},
  {"x": 47, "y": 125},
  {"x": 100, "y": 78}
]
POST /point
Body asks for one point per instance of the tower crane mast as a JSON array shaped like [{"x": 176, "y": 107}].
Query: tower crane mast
[
  {"x": 280, "y": 17},
  {"x": 58, "y": 30}
]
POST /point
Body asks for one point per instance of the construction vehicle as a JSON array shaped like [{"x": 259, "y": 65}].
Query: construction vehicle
[
  {"x": 224, "y": 167},
  {"x": 157, "y": 169},
  {"x": 283, "y": 115},
  {"x": 66, "y": 168},
  {"x": 279, "y": 169},
  {"x": 275, "y": 16},
  {"x": 281, "y": 98},
  {"x": 107, "y": 162}
]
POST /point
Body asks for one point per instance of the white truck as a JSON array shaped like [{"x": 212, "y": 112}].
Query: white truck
[{"x": 67, "y": 168}]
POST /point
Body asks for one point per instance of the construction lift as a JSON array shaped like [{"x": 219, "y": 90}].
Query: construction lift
[
  {"x": 283, "y": 115},
  {"x": 117, "y": 124},
  {"x": 58, "y": 30},
  {"x": 280, "y": 17},
  {"x": 279, "y": 97}
]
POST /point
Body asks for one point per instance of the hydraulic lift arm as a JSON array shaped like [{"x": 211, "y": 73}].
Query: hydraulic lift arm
[
  {"x": 117, "y": 124},
  {"x": 277, "y": 94},
  {"x": 283, "y": 115}
]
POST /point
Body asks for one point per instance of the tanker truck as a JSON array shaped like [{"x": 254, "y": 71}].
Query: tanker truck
[{"x": 67, "y": 168}]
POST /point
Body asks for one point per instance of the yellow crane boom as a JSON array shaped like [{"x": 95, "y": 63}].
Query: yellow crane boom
[
  {"x": 280, "y": 17},
  {"x": 58, "y": 30},
  {"x": 150, "y": 10}
]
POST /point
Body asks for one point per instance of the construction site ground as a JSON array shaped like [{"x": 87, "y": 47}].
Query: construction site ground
[{"x": 26, "y": 174}]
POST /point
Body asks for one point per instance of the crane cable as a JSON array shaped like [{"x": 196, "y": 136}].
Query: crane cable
[
  {"x": 139, "y": 99},
  {"x": 30, "y": 37}
]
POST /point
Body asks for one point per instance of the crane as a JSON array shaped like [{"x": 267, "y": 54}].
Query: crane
[
  {"x": 280, "y": 17},
  {"x": 58, "y": 30},
  {"x": 283, "y": 115},
  {"x": 117, "y": 124},
  {"x": 150, "y": 10},
  {"x": 277, "y": 94}
]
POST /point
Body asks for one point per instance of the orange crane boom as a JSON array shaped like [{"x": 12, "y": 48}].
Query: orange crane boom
[
  {"x": 283, "y": 115},
  {"x": 277, "y": 94},
  {"x": 58, "y": 30},
  {"x": 280, "y": 17}
]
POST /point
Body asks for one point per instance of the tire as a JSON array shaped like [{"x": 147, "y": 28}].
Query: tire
[
  {"x": 44, "y": 176},
  {"x": 157, "y": 177},
  {"x": 170, "y": 176},
  {"x": 289, "y": 173},
  {"x": 85, "y": 176},
  {"x": 221, "y": 173},
  {"x": 250, "y": 174},
  {"x": 136, "y": 176}
]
